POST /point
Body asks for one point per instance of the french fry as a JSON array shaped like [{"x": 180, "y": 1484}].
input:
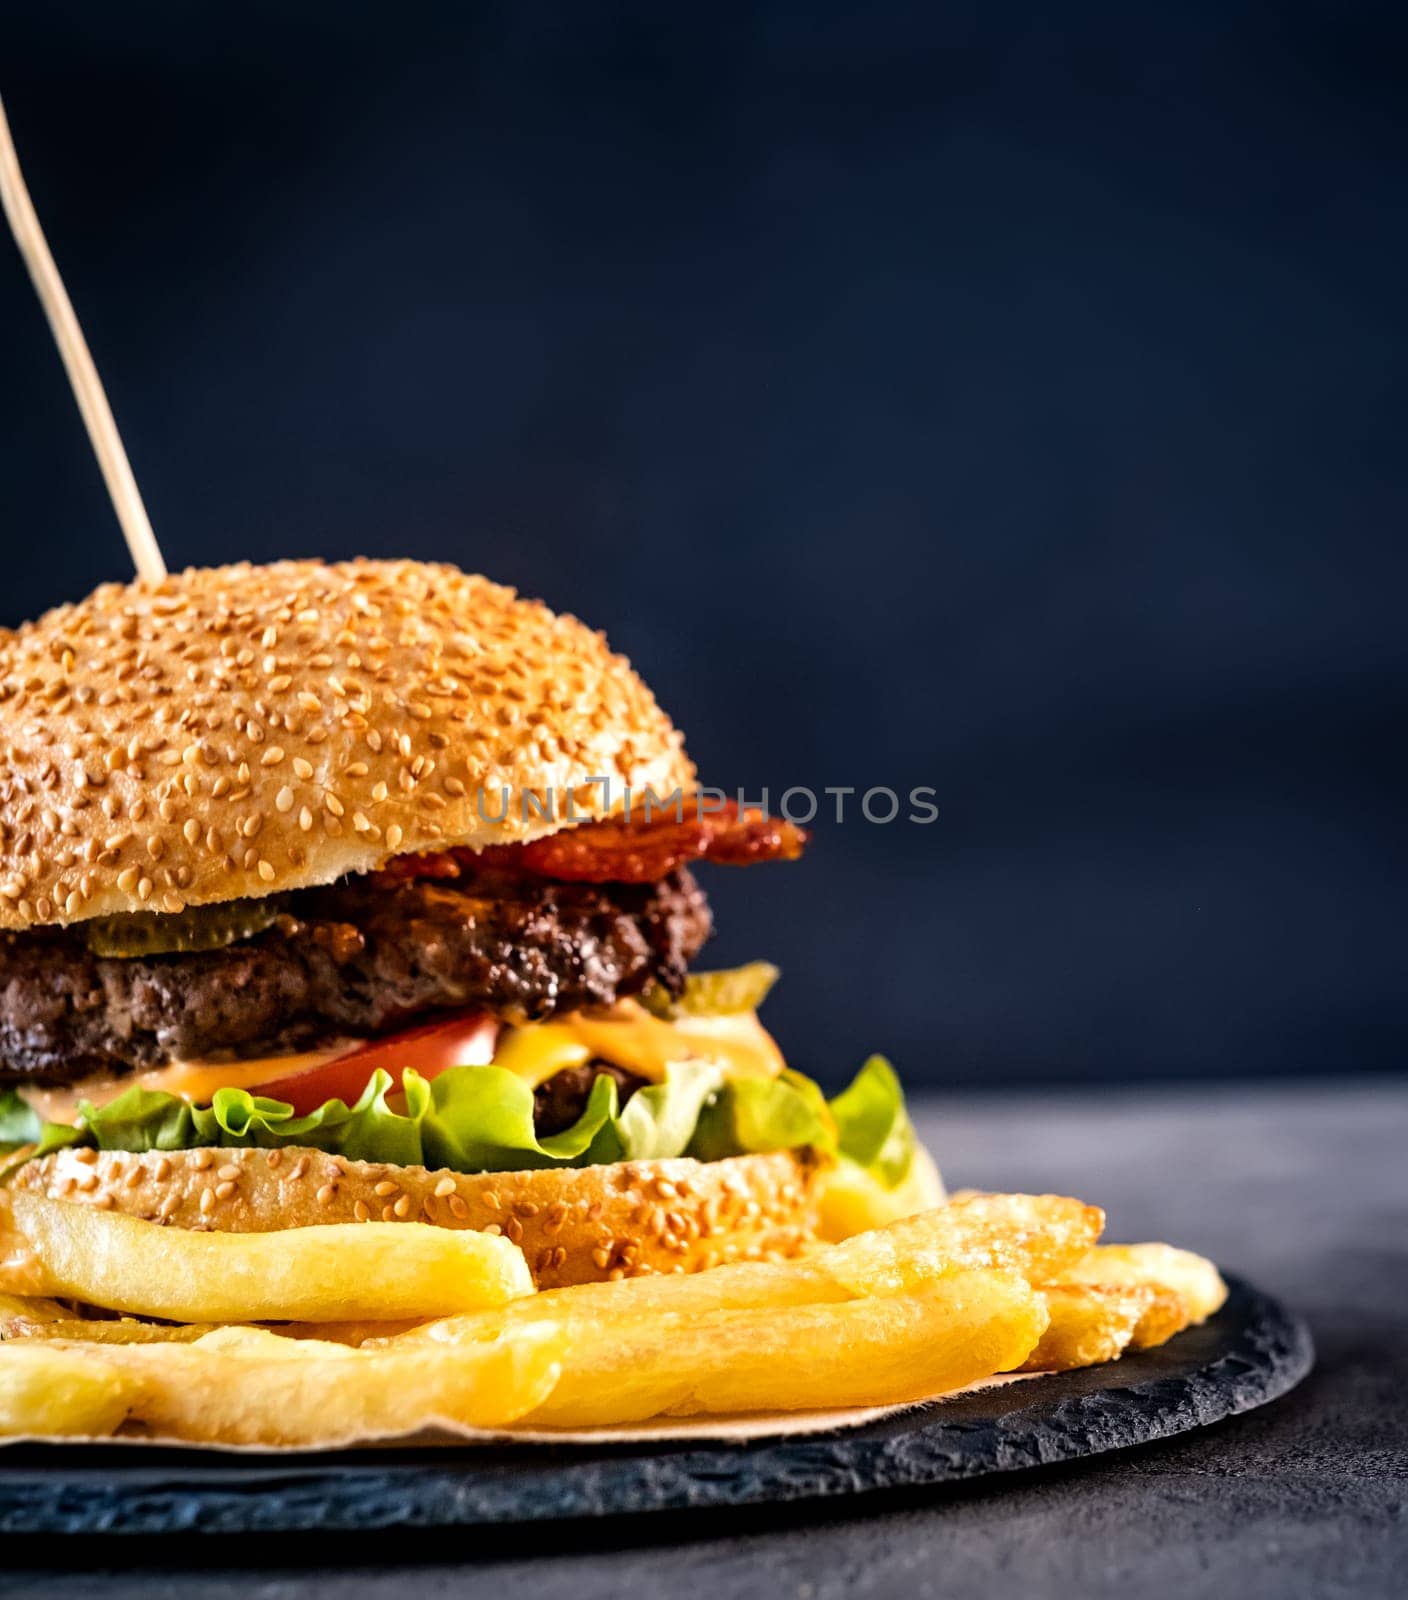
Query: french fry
[
  {"x": 249, "y": 1386},
  {"x": 1191, "y": 1288},
  {"x": 1089, "y": 1323},
  {"x": 325, "y": 1273},
  {"x": 19, "y": 1313},
  {"x": 51, "y": 1391},
  {"x": 102, "y": 1330},
  {"x": 632, "y": 1365},
  {"x": 1038, "y": 1236},
  {"x": 357, "y": 1334},
  {"x": 1032, "y": 1235},
  {"x": 1124, "y": 1296},
  {"x": 36, "y": 1319}
]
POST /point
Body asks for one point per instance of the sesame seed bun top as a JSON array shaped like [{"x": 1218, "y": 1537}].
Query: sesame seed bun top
[{"x": 231, "y": 732}]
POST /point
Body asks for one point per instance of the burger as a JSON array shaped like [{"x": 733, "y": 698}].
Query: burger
[{"x": 332, "y": 893}]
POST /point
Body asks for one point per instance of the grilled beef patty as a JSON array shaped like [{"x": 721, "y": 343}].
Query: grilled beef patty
[
  {"x": 559, "y": 1100},
  {"x": 356, "y": 958}
]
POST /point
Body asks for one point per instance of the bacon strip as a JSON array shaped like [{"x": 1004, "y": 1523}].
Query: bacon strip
[{"x": 617, "y": 851}]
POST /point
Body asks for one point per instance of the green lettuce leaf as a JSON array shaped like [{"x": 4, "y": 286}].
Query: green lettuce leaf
[
  {"x": 21, "y": 1124},
  {"x": 755, "y": 1114},
  {"x": 480, "y": 1119},
  {"x": 872, "y": 1126},
  {"x": 470, "y": 1119}
]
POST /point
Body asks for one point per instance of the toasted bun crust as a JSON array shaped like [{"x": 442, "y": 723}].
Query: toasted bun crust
[
  {"x": 574, "y": 1224},
  {"x": 234, "y": 731}
]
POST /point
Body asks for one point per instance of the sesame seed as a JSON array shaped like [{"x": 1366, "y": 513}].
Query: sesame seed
[
  {"x": 360, "y": 1211},
  {"x": 326, "y": 1193},
  {"x": 228, "y": 1172},
  {"x": 223, "y": 1191},
  {"x": 162, "y": 1170},
  {"x": 492, "y": 1227},
  {"x": 444, "y": 1187},
  {"x": 386, "y": 1187},
  {"x": 388, "y": 1213},
  {"x": 207, "y": 1201},
  {"x": 457, "y": 1206},
  {"x": 202, "y": 1160},
  {"x": 299, "y": 1167},
  {"x": 402, "y": 1208},
  {"x": 266, "y": 871}
]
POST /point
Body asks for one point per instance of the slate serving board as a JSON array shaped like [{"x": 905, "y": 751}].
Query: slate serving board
[{"x": 1251, "y": 1352}]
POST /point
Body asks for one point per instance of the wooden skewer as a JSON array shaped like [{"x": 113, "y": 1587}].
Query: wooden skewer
[{"x": 82, "y": 374}]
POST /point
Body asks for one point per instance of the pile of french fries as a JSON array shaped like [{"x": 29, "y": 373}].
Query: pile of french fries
[{"x": 322, "y": 1336}]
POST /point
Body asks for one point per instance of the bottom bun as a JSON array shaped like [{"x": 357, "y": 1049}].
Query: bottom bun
[{"x": 574, "y": 1224}]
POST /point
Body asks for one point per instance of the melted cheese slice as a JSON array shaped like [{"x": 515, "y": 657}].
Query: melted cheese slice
[{"x": 626, "y": 1035}]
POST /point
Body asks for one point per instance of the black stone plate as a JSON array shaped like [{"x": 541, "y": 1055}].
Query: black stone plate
[{"x": 1251, "y": 1352}]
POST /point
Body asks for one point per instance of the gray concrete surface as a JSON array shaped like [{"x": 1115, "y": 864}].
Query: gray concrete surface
[{"x": 1303, "y": 1190}]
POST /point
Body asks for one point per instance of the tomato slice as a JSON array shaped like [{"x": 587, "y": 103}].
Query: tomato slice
[{"x": 464, "y": 1040}]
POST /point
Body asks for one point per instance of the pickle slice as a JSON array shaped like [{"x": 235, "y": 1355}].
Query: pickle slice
[
  {"x": 145, "y": 933},
  {"x": 716, "y": 994}
]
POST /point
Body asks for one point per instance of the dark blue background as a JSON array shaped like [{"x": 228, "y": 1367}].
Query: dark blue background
[{"x": 919, "y": 395}]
